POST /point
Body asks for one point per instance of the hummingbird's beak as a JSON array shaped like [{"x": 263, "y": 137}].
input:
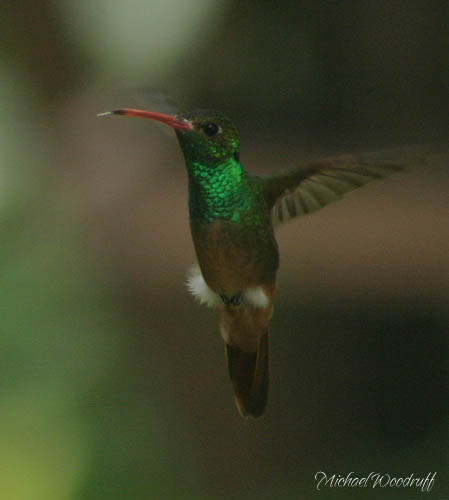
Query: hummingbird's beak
[{"x": 172, "y": 121}]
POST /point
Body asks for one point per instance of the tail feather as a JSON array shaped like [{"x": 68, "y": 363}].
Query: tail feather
[{"x": 249, "y": 373}]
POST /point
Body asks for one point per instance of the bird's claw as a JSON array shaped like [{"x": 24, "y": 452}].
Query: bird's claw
[{"x": 234, "y": 300}]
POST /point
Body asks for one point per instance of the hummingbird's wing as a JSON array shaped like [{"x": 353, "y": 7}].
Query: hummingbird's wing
[
  {"x": 155, "y": 100},
  {"x": 314, "y": 184},
  {"x": 147, "y": 98}
]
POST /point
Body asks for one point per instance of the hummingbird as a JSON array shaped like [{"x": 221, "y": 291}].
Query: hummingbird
[{"x": 233, "y": 217}]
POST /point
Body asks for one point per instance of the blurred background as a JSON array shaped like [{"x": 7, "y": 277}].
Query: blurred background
[{"x": 113, "y": 380}]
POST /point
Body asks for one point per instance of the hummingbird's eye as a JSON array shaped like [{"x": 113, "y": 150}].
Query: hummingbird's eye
[{"x": 211, "y": 129}]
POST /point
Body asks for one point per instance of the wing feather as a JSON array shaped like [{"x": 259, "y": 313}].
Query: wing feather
[{"x": 315, "y": 184}]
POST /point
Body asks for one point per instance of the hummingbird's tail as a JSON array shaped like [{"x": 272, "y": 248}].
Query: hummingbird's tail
[
  {"x": 244, "y": 328},
  {"x": 249, "y": 372}
]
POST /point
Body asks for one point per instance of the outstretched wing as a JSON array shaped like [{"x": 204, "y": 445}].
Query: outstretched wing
[{"x": 313, "y": 185}]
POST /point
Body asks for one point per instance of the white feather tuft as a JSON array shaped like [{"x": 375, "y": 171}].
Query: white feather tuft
[
  {"x": 199, "y": 289},
  {"x": 256, "y": 297}
]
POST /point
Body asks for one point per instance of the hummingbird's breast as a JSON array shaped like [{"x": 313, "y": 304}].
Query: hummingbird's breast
[{"x": 234, "y": 256}]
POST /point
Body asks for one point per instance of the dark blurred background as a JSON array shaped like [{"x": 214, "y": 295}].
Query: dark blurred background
[{"x": 113, "y": 381}]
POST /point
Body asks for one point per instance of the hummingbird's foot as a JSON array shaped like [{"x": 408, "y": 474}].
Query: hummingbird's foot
[{"x": 234, "y": 300}]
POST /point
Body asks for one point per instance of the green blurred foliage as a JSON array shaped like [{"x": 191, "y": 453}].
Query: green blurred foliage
[{"x": 113, "y": 382}]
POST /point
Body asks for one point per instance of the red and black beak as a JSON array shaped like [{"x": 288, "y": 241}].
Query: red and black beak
[{"x": 172, "y": 121}]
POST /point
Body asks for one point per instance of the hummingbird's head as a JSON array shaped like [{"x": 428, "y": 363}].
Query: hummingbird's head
[
  {"x": 212, "y": 137},
  {"x": 207, "y": 137}
]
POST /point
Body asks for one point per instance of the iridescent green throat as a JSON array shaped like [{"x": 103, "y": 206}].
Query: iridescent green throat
[{"x": 220, "y": 191}]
